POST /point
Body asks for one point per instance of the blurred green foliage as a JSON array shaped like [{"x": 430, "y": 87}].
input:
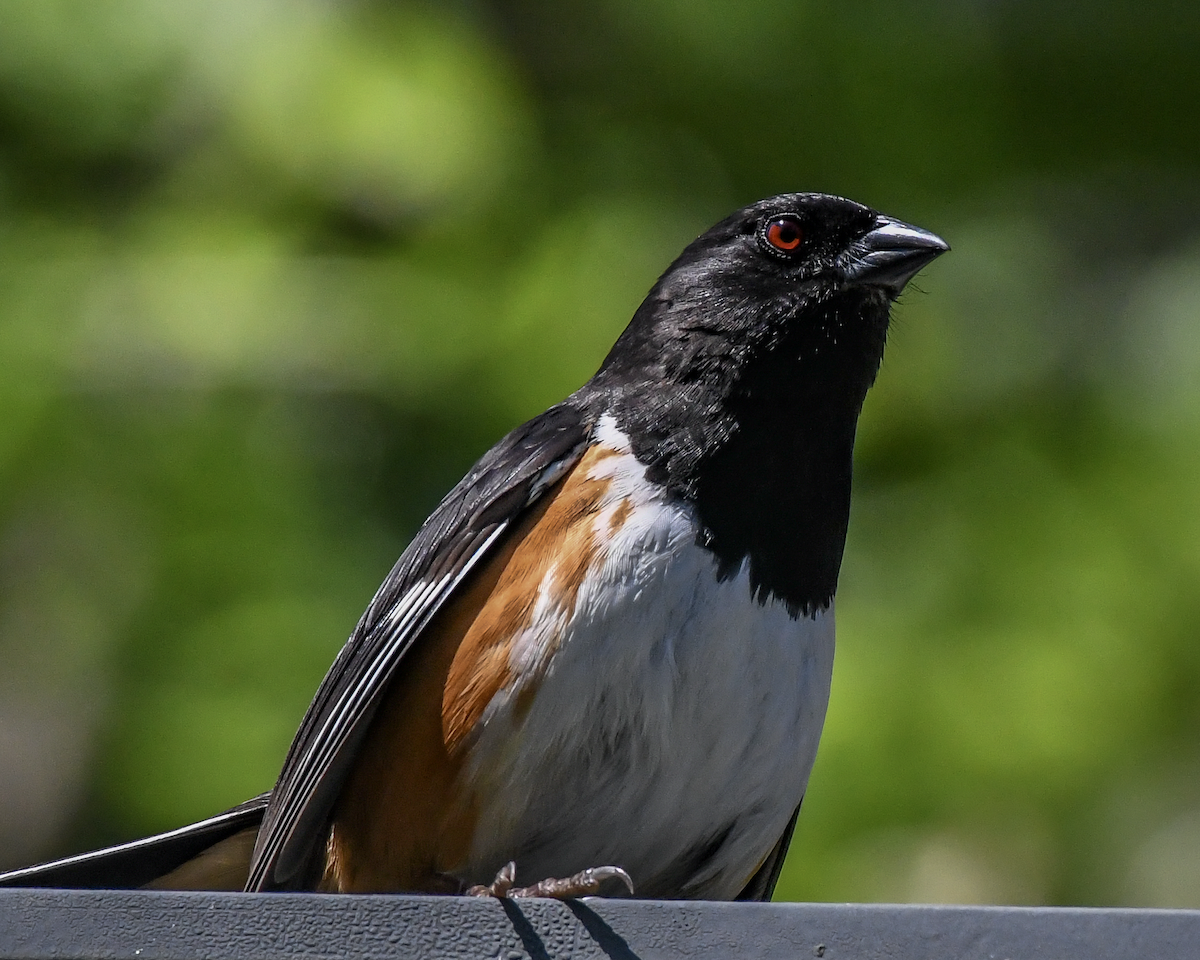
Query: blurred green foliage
[{"x": 274, "y": 272}]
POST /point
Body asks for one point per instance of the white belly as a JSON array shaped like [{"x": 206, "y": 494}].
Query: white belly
[{"x": 675, "y": 723}]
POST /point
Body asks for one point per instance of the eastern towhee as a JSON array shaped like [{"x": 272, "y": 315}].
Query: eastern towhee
[{"x": 607, "y": 654}]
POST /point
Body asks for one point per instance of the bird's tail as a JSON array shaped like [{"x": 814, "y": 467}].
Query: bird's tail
[{"x": 213, "y": 854}]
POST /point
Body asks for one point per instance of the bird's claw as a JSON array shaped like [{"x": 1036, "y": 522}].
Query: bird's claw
[
  {"x": 585, "y": 883},
  {"x": 498, "y": 888}
]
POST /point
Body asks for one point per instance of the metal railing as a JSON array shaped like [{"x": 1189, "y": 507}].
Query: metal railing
[{"x": 223, "y": 926}]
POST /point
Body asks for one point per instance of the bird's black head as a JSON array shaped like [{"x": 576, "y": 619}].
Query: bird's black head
[
  {"x": 805, "y": 276},
  {"x": 740, "y": 379}
]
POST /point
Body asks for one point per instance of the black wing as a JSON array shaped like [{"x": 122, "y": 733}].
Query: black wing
[
  {"x": 459, "y": 533},
  {"x": 135, "y": 864},
  {"x": 762, "y": 884}
]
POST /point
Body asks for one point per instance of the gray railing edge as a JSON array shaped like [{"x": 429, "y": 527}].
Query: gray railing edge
[{"x": 43, "y": 923}]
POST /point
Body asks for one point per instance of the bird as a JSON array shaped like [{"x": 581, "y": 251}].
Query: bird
[{"x": 604, "y": 660}]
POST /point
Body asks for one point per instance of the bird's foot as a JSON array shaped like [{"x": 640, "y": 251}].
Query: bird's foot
[
  {"x": 585, "y": 883},
  {"x": 499, "y": 888}
]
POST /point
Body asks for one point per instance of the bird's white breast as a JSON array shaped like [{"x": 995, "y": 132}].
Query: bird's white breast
[{"x": 674, "y": 721}]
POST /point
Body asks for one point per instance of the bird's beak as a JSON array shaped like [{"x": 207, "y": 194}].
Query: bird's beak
[{"x": 890, "y": 255}]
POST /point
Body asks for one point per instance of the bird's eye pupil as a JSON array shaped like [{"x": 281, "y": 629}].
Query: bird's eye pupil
[{"x": 784, "y": 234}]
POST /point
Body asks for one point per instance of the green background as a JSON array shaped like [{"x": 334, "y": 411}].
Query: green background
[{"x": 273, "y": 273}]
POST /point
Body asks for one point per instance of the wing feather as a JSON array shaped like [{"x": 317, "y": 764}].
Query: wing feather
[
  {"x": 762, "y": 885},
  {"x": 459, "y": 534}
]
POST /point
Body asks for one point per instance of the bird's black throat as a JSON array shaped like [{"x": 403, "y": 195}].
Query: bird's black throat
[{"x": 761, "y": 448}]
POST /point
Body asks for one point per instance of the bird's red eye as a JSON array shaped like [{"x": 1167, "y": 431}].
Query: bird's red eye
[{"x": 784, "y": 234}]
